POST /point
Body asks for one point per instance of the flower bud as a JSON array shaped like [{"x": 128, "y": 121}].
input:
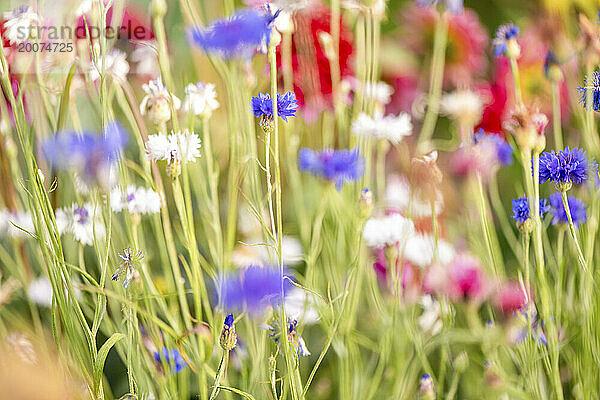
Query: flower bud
[
  {"x": 461, "y": 362},
  {"x": 228, "y": 339},
  {"x": 267, "y": 124},
  {"x": 426, "y": 389},
  {"x": 158, "y": 8},
  {"x": 365, "y": 203},
  {"x": 327, "y": 43}
]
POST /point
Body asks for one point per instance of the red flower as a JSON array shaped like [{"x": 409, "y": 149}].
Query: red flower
[{"x": 312, "y": 75}]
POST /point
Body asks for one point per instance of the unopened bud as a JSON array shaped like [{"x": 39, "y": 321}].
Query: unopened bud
[
  {"x": 461, "y": 362},
  {"x": 365, "y": 203},
  {"x": 327, "y": 43},
  {"x": 426, "y": 388},
  {"x": 228, "y": 339},
  {"x": 158, "y": 8}
]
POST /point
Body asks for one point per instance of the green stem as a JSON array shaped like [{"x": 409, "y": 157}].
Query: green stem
[
  {"x": 580, "y": 256},
  {"x": 220, "y": 375},
  {"x": 556, "y": 117},
  {"x": 437, "y": 78}
]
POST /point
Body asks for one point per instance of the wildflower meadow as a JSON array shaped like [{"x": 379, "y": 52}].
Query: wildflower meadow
[{"x": 299, "y": 199}]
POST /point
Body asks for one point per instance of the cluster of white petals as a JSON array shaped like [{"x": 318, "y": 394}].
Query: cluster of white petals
[
  {"x": 82, "y": 221},
  {"x": 391, "y": 127},
  {"x": 181, "y": 146},
  {"x": 136, "y": 200},
  {"x": 388, "y": 230}
]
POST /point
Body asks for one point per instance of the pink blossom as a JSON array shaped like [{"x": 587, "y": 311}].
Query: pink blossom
[{"x": 511, "y": 297}]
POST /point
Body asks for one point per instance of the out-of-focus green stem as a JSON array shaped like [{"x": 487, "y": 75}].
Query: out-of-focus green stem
[
  {"x": 580, "y": 256},
  {"x": 292, "y": 370},
  {"x": 435, "y": 85},
  {"x": 556, "y": 117}
]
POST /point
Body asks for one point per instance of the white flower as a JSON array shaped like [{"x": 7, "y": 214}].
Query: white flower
[
  {"x": 145, "y": 55},
  {"x": 176, "y": 149},
  {"x": 115, "y": 65},
  {"x": 19, "y": 24},
  {"x": 400, "y": 196},
  {"x": 201, "y": 99},
  {"x": 380, "y": 92},
  {"x": 291, "y": 5},
  {"x": 390, "y": 127},
  {"x": 248, "y": 221},
  {"x": 291, "y": 251},
  {"x": 300, "y": 305},
  {"x": 243, "y": 256},
  {"x": 430, "y": 321},
  {"x": 184, "y": 147},
  {"x": 463, "y": 106},
  {"x": 81, "y": 221},
  {"x": 40, "y": 291},
  {"x": 135, "y": 200},
  {"x": 158, "y": 102},
  {"x": 388, "y": 230},
  {"x": 84, "y": 7},
  {"x": 14, "y": 225},
  {"x": 418, "y": 250}
]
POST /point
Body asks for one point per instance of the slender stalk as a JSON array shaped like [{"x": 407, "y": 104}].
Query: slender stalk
[
  {"x": 556, "y": 117},
  {"x": 220, "y": 375},
  {"x": 437, "y": 78},
  {"x": 295, "y": 383},
  {"x": 580, "y": 256}
]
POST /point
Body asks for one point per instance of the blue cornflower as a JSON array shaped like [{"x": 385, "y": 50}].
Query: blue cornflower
[
  {"x": 262, "y": 106},
  {"x": 504, "y": 151},
  {"x": 521, "y": 212},
  {"x": 576, "y": 207},
  {"x": 454, "y": 6},
  {"x": 568, "y": 166},
  {"x": 592, "y": 83},
  {"x": 237, "y": 36},
  {"x": 504, "y": 33},
  {"x": 253, "y": 289},
  {"x": 172, "y": 358},
  {"x": 88, "y": 153},
  {"x": 338, "y": 166}
]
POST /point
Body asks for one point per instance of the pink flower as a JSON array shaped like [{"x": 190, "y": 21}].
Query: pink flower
[
  {"x": 466, "y": 279},
  {"x": 411, "y": 277},
  {"x": 462, "y": 280},
  {"x": 480, "y": 159},
  {"x": 511, "y": 297}
]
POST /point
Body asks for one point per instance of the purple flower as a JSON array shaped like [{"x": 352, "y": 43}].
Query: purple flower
[
  {"x": 338, "y": 166},
  {"x": 565, "y": 167},
  {"x": 521, "y": 212},
  {"x": 172, "y": 358},
  {"x": 504, "y": 33},
  {"x": 237, "y": 36},
  {"x": 504, "y": 151},
  {"x": 576, "y": 207},
  {"x": 88, "y": 154},
  {"x": 253, "y": 289},
  {"x": 592, "y": 83},
  {"x": 228, "y": 321},
  {"x": 262, "y": 106}
]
